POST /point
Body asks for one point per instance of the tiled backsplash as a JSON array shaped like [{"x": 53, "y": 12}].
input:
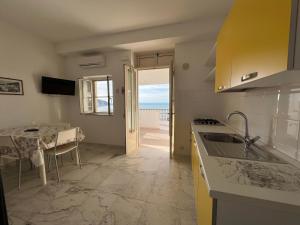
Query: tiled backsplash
[{"x": 273, "y": 113}]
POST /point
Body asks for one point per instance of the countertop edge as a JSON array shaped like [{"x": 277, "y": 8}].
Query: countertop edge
[{"x": 216, "y": 191}]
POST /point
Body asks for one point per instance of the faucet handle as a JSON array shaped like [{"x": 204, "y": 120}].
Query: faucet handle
[
  {"x": 249, "y": 142},
  {"x": 253, "y": 140}
]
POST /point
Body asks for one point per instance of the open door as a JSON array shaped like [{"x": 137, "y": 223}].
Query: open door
[
  {"x": 130, "y": 75},
  {"x": 171, "y": 109}
]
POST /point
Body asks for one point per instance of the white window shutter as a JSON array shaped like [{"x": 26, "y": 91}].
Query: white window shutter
[{"x": 86, "y": 96}]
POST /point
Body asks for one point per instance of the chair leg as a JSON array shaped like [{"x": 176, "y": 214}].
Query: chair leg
[
  {"x": 61, "y": 160},
  {"x": 30, "y": 163},
  {"x": 20, "y": 173},
  {"x": 71, "y": 153},
  {"x": 57, "y": 172},
  {"x": 1, "y": 161},
  {"x": 49, "y": 162}
]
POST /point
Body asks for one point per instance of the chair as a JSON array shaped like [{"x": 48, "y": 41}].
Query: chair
[
  {"x": 9, "y": 150},
  {"x": 66, "y": 141},
  {"x": 63, "y": 125}
]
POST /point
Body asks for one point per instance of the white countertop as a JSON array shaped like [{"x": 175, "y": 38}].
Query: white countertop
[{"x": 277, "y": 183}]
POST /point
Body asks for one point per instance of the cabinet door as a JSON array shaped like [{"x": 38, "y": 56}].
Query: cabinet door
[
  {"x": 193, "y": 155},
  {"x": 223, "y": 58},
  {"x": 205, "y": 202},
  {"x": 261, "y": 38},
  {"x": 195, "y": 165}
]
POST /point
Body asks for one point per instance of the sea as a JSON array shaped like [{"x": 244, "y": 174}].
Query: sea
[{"x": 154, "y": 105}]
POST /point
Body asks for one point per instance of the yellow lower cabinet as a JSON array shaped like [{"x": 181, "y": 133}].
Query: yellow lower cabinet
[
  {"x": 205, "y": 205},
  {"x": 195, "y": 165},
  {"x": 205, "y": 202},
  {"x": 235, "y": 210}
]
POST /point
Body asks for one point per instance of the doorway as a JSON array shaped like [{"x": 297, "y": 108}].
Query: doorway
[
  {"x": 161, "y": 81},
  {"x": 154, "y": 109}
]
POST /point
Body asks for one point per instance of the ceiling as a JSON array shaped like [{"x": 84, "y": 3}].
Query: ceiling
[{"x": 63, "y": 20}]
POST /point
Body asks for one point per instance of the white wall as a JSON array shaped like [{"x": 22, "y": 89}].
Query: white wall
[
  {"x": 273, "y": 113},
  {"x": 194, "y": 97},
  {"x": 99, "y": 129},
  {"x": 26, "y": 57}
]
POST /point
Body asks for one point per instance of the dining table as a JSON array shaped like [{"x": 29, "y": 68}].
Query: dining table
[{"x": 32, "y": 141}]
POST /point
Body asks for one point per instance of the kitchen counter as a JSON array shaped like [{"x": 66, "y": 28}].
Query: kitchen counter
[{"x": 270, "y": 182}]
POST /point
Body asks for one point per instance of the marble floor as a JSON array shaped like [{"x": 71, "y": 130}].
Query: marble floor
[
  {"x": 155, "y": 138},
  {"x": 142, "y": 189}
]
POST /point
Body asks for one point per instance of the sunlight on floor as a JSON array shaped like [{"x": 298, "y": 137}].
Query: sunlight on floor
[{"x": 155, "y": 138}]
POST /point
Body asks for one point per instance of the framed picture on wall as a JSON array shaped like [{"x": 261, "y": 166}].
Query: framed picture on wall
[{"x": 10, "y": 86}]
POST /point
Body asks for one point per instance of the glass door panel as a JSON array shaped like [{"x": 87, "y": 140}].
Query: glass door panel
[{"x": 130, "y": 109}]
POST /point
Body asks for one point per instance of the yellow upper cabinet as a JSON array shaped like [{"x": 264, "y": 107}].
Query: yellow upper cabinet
[
  {"x": 256, "y": 38},
  {"x": 261, "y": 38},
  {"x": 223, "y": 59}
]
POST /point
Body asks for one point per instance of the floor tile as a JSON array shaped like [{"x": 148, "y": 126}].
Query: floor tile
[{"x": 111, "y": 189}]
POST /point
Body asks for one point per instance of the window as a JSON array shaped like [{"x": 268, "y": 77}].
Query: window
[{"x": 96, "y": 95}]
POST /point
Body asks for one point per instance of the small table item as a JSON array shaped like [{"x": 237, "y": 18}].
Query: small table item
[{"x": 31, "y": 130}]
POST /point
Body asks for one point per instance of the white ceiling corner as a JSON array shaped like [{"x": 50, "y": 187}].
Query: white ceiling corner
[{"x": 63, "y": 21}]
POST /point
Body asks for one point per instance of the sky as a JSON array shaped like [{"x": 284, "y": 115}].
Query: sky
[
  {"x": 158, "y": 93},
  {"x": 102, "y": 88}
]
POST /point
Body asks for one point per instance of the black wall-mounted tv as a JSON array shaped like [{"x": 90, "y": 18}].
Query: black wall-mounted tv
[{"x": 57, "y": 86}]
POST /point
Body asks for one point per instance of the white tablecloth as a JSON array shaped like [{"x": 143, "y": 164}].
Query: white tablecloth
[{"x": 32, "y": 144}]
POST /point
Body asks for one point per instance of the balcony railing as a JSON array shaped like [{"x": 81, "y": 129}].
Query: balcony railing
[{"x": 163, "y": 113}]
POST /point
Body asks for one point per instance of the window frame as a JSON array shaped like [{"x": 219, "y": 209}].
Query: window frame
[{"x": 93, "y": 80}]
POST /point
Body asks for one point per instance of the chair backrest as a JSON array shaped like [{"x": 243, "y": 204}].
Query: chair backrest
[
  {"x": 7, "y": 142},
  {"x": 67, "y": 136},
  {"x": 61, "y": 124}
]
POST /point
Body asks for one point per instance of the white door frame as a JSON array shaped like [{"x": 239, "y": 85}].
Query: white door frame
[
  {"x": 171, "y": 103},
  {"x": 131, "y": 135}
]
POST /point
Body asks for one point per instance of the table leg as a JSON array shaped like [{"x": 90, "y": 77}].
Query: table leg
[
  {"x": 43, "y": 174},
  {"x": 42, "y": 169},
  {"x": 76, "y": 158}
]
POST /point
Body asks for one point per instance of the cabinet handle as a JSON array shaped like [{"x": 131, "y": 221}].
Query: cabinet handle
[
  {"x": 249, "y": 76},
  {"x": 221, "y": 87},
  {"x": 201, "y": 172},
  {"x": 202, "y": 175}
]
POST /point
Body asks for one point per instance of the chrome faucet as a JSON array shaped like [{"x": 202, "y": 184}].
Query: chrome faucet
[{"x": 247, "y": 140}]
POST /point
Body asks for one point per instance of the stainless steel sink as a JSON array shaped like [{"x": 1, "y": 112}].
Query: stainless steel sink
[
  {"x": 222, "y": 137},
  {"x": 232, "y": 146}
]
